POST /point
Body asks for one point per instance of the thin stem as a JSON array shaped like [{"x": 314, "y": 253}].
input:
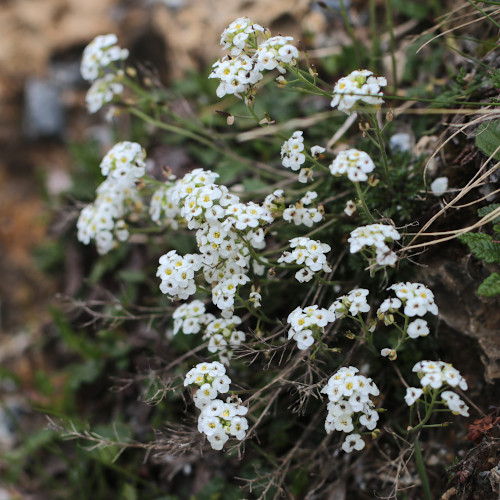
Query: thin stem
[
  {"x": 381, "y": 146},
  {"x": 361, "y": 197},
  {"x": 263, "y": 169},
  {"x": 350, "y": 32},
  {"x": 373, "y": 34},
  {"x": 483, "y": 13},
  {"x": 422, "y": 473},
  {"x": 390, "y": 26}
]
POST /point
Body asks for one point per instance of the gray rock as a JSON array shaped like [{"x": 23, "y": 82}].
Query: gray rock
[{"x": 43, "y": 109}]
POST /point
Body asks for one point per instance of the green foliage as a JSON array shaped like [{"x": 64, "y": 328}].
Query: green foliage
[
  {"x": 494, "y": 78},
  {"x": 490, "y": 286},
  {"x": 413, "y": 10},
  {"x": 488, "y": 138},
  {"x": 484, "y": 211},
  {"x": 482, "y": 246}
]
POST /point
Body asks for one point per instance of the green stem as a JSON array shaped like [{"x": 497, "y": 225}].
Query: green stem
[
  {"x": 422, "y": 473},
  {"x": 390, "y": 26},
  {"x": 381, "y": 146},
  {"x": 361, "y": 197},
  {"x": 483, "y": 13},
  {"x": 350, "y": 32},
  {"x": 373, "y": 34},
  {"x": 263, "y": 170}
]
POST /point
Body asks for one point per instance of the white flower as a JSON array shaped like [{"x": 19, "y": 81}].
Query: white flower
[
  {"x": 103, "y": 91},
  {"x": 255, "y": 298},
  {"x": 275, "y": 52},
  {"x": 359, "y": 86},
  {"x": 435, "y": 374},
  {"x": 304, "y": 322},
  {"x": 417, "y": 328},
  {"x": 354, "y": 164},
  {"x": 125, "y": 162},
  {"x": 353, "y": 442},
  {"x": 412, "y": 394},
  {"x": 316, "y": 151},
  {"x": 439, "y": 186},
  {"x": 416, "y": 297},
  {"x": 349, "y": 393},
  {"x": 99, "y": 54},
  {"x": 454, "y": 403},
  {"x": 291, "y": 151},
  {"x": 234, "y": 37},
  {"x": 375, "y": 236},
  {"x": 390, "y": 353},
  {"x": 350, "y": 208},
  {"x": 218, "y": 439},
  {"x": 307, "y": 252}
]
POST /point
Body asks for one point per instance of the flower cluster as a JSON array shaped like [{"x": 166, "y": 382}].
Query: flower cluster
[
  {"x": 291, "y": 151},
  {"x": 104, "y": 220},
  {"x": 350, "y": 405},
  {"x": 99, "y": 54},
  {"x": 311, "y": 254},
  {"x": 103, "y": 91},
  {"x": 308, "y": 323},
  {"x": 177, "y": 274},
  {"x": 218, "y": 419},
  {"x": 239, "y": 72},
  {"x": 237, "y": 76},
  {"x": 162, "y": 209},
  {"x": 223, "y": 336},
  {"x": 124, "y": 163},
  {"x": 238, "y": 34},
  {"x": 353, "y": 163},
  {"x": 375, "y": 236},
  {"x": 439, "y": 375},
  {"x": 416, "y": 300},
  {"x": 226, "y": 230},
  {"x": 191, "y": 318},
  {"x": 357, "y": 88},
  {"x": 275, "y": 52},
  {"x": 353, "y": 303},
  {"x": 301, "y": 214},
  {"x": 96, "y": 67}
]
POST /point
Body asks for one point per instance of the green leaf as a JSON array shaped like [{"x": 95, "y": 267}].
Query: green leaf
[
  {"x": 488, "y": 138},
  {"x": 490, "y": 287},
  {"x": 482, "y": 246},
  {"x": 483, "y": 211}
]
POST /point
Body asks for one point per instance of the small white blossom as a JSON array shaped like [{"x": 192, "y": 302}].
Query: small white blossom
[
  {"x": 412, "y": 394},
  {"x": 358, "y": 87},
  {"x": 235, "y": 37},
  {"x": 309, "y": 253},
  {"x": 291, "y": 151},
  {"x": 350, "y": 208},
  {"x": 349, "y": 393},
  {"x": 455, "y": 403},
  {"x": 417, "y": 328},
  {"x": 376, "y": 236},
  {"x": 305, "y": 322},
  {"x": 99, "y": 54},
  {"x": 103, "y": 91},
  {"x": 354, "y": 164}
]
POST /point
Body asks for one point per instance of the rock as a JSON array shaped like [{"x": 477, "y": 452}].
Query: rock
[
  {"x": 192, "y": 34},
  {"x": 461, "y": 309},
  {"x": 43, "y": 110}
]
